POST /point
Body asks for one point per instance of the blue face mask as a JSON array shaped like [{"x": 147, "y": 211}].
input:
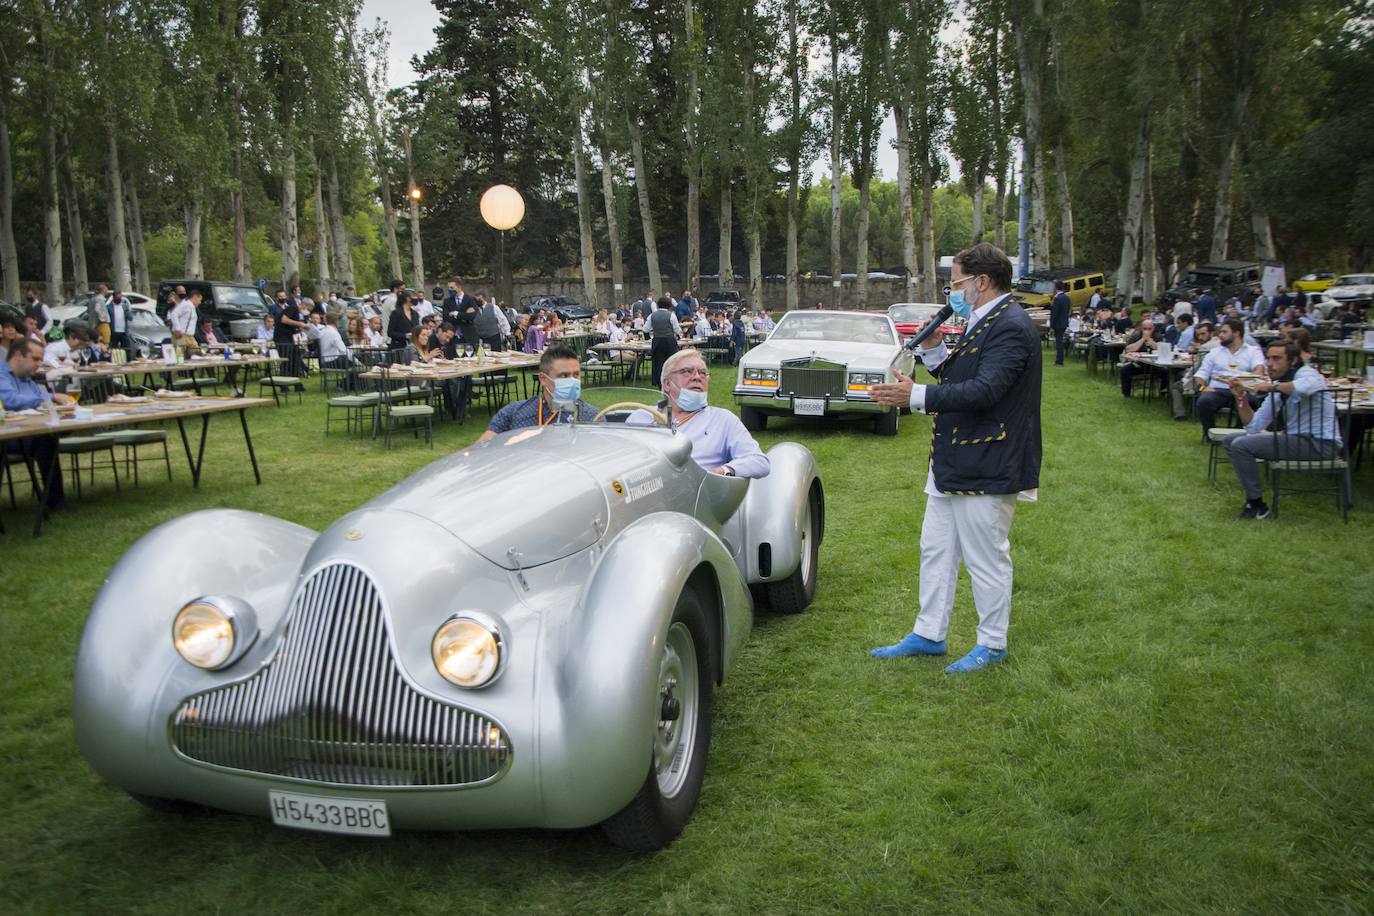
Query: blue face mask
[
  {"x": 691, "y": 401},
  {"x": 566, "y": 390},
  {"x": 962, "y": 307}
]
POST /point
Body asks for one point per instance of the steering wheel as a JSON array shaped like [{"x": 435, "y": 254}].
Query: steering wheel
[{"x": 621, "y": 405}]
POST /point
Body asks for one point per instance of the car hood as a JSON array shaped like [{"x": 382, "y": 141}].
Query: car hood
[
  {"x": 1347, "y": 292},
  {"x": 773, "y": 352}
]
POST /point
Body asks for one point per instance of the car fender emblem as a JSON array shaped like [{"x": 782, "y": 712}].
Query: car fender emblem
[
  {"x": 618, "y": 488},
  {"x": 353, "y": 534}
]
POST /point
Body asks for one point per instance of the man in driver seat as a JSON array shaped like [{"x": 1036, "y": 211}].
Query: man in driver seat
[
  {"x": 560, "y": 385},
  {"x": 720, "y": 443}
]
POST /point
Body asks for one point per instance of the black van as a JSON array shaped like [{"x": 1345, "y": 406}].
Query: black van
[
  {"x": 1224, "y": 278},
  {"x": 237, "y": 308}
]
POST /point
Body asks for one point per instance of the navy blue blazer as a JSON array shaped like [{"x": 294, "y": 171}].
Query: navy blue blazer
[{"x": 986, "y": 408}]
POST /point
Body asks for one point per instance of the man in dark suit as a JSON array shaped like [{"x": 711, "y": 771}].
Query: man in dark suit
[
  {"x": 985, "y": 455},
  {"x": 1059, "y": 319}
]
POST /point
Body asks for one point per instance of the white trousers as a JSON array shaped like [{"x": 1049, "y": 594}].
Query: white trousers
[{"x": 977, "y": 530}]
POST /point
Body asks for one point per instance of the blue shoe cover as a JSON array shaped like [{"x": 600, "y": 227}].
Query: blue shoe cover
[{"x": 911, "y": 644}]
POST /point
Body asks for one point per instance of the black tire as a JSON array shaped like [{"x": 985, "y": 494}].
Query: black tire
[
  {"x": 795, "y": 593},
  {"x": 753, "y": 419},
  {"x": 654, "y": 818},
  {"x": 885, "y": 424}
]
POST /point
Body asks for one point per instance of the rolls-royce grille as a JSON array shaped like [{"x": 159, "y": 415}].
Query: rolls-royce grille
[
  {"x": 813, "y": 381},
  {"x": 332, "y": 706}
]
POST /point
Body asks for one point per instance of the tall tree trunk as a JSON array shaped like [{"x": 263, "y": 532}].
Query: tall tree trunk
[
  {"x": 80, "y": 276},
  {"x": 194, "y": 270},
  {"x": 726, "y": 268},
  {"x": 1262, "y": 231},
  {"x": 290, "y": 228},
  {"x": 900, "y": 112},
  {"x": 243, "y": 265},
  {"x": 1031, "y": 54},
  {"x": 323, "y": 228},
  {"x": 693, "y": 278},
  {"x": 793, "y": 153},
  {"x": 928, "y": 265},
  {"x": 612, "y": 222},
  {"x": 1135, "y": 206},
  {"x": 835, "y": 268},
  {"x": 343, "y": 247},
  {"x": 136, "y": 250},
  {"x": 393, "y": 248},
  {"x": 861, "y": 252},
  {"x": 1067, "y": 255},
  {"x": 52, "y": 218},
  {"x": 646, "y": 213},
  {"x": 120, "y": 278},
  {"x": 9, "y": 253},
  {"x": 1149, "y": 254},
  {"x": 979, "y": 180},
  {"x": 755, "y": 244},
  {"x": 417, "y": 254},
  {"x": 1221, "y": 209},
  {"x": 999, "y": 211},
  {"x": 584, "y": 218}
]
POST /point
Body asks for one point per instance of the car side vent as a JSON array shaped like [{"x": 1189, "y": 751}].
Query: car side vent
[{"x": 765, "y": 559}]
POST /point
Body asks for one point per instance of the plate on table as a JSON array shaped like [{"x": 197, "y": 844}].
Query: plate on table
[
  {"x": 126, "y": 399},
  {"x": 164, "y": 394}
]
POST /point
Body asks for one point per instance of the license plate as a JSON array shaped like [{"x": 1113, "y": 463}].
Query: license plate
[
  {"x": 355, "y": 816},
  {"x": 808, "y": 407}
]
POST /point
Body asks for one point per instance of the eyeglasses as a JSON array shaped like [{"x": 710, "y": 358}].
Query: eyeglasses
[{"x": 703, "y": 372}]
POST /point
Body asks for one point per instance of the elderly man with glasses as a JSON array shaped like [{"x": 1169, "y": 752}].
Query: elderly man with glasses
[{"x": 720, "y": 443}]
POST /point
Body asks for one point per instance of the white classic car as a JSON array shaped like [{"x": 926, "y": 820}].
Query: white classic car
[{"x": 822, "y": 364}]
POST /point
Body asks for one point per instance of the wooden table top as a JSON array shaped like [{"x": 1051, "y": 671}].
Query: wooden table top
[
  {"x": 140, "y": 367},
  {"x": 19, "y": 425},
  {"x": 638, "y": 345},
  {"x": 456, "y": 369}
]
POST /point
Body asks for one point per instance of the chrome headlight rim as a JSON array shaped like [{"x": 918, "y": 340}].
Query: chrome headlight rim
[
  {"x": 237, "y": 613},
  {"x": 492, "y": 628}
]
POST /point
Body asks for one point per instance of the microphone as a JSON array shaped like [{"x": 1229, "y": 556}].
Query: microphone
[{"x": 931, "y": 327}]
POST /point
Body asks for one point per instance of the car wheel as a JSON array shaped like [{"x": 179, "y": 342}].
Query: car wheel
[
  {"x": 682, "y": 735},
  {"x": 753, "y": 419},
  {"x": 795, "y": 593},
  {"x": 885, "y": 424}
]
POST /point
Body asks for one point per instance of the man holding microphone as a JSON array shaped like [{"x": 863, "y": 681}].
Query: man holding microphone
[{"x": 984, "y": 455}]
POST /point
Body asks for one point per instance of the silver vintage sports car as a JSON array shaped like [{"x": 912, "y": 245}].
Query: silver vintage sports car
[{"x": 464, "y": 651}]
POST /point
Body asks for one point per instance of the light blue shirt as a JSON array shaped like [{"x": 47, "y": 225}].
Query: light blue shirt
[
  {"x": 20, "y": 393},
  {"x": 1308, "y": 411},
  {"x": 1185, "y": 340},
  {"x": 718, "y": 438}
]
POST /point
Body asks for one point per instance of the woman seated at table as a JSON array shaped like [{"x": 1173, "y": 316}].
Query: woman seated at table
[
  {"x": 720, "y": 443},
  {"x": 554, "y": 329},
  {"x": 534, "y": 338},
  {"x": 357, "y": 333},
  {"x": 603, "y": 324},
  {"x": 417, "y": 346}
]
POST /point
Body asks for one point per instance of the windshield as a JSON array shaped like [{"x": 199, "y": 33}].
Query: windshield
[
  {"x": 911, "y": 314},
  {"x": 1355, "y": 280},
  {"x": 852, "y": 328},
  {"x": 1201, "y": 278},
  {"x": 1032, "y": 285},
  {"x": 145, "y": 321},
  {"x": 246, "y": 298}
]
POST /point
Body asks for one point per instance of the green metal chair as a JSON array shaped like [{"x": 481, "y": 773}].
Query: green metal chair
[
  {"x": 394, "y": 410},
  {"x": 131, "y": 439},
  {"x": 76, "y": 446}
]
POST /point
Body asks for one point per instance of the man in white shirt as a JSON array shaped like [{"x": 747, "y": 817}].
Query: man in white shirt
[
  {"x": 264, "y": 330},
  {"x": 1233, "y": 356},
  {"x": 333, "y": 351},
  {"x": 60, "y": 354},
  {"x": 1095, "y": 301},
  {"x": 376, "y": 337},
  {"x": 183, "y": 320}
]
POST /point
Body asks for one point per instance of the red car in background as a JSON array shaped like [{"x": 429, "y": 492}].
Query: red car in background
[{"x": 910, "y": 317}]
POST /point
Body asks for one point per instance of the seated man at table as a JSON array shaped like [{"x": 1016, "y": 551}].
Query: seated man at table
[
  {"x": 1204, "y": 338},
  {"x": 560, "y": 387},
  {"x": 1306, "y": 414},
  {"x": 1142, "y": 340},
  {"x": 720, "y": 443},
  {"x": 1180, "y": 333},
  {"x": 61, "y": 354},
  {"x": 207, "y": 336},
  {"x": 19, "y": 391},
  {"x": 1213, "y": 376},
  {"x": 264, "y": 329}
]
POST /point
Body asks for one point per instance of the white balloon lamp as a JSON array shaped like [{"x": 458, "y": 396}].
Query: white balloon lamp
[{"x": 502, "y": 207}]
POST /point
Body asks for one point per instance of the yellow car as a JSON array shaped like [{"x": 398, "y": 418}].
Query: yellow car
[
  {"x": 1036, "y": 289},
  {"x": 1314, "y": 283}
]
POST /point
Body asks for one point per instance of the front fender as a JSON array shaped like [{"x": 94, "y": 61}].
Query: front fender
[
  {"x": 773, "y": 511},
  {"x": 126, "y": 650},
  {"x": 605, "y": 660}
]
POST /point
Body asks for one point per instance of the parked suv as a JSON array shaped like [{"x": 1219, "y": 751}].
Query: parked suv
[
  {"x": 1036, "y": 289},
  {"x": 1224, "y": 278},
  {"x": 724, "y": 300},
  {"x": 237, "y": 308}
]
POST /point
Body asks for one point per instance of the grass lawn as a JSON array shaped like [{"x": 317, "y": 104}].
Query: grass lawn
[{"x": 1184, "y": 721}]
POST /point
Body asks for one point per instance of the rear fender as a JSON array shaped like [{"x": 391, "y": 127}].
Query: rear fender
[{"x": 773, "y": 511}]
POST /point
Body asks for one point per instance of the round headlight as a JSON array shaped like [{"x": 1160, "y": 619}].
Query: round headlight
[
  {"x": 467, "y": 652},
  {"x": 203, "y": 634}
]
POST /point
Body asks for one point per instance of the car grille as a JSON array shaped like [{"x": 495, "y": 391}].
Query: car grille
[
  {"x": 812, "y": 379},
  {"x": 331, "y": 706}
]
